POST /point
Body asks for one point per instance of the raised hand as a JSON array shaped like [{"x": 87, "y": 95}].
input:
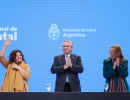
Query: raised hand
[
  {"x": 118, "y": 61},
  {"x": 6, "y": 44},
  {"x": 115, "y": 64},
  {"x": 65, "y": 67},
  {"x": 69, "y": 62},
  {"x": 7, "y": 41}
]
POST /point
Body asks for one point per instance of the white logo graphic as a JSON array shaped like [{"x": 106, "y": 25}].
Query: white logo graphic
[{"x": 54, "y": 32}]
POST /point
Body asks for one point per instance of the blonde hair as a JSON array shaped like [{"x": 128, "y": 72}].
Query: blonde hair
[{"x": 118, "y": 50}]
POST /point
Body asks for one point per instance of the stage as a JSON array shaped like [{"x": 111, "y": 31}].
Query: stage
[{"x": 66, "y": 96}]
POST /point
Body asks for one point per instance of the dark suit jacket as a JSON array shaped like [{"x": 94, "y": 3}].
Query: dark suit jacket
[{"x": 61, "y": 74}]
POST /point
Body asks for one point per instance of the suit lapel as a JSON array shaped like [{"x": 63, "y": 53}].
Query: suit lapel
[
  {"x": 71, "y": 57},
  {"x": 110, "y": 64},
  {"x": 63, "y": 59}
]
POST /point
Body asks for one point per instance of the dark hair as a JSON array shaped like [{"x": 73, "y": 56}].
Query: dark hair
[{"x": 12, "y": 56}]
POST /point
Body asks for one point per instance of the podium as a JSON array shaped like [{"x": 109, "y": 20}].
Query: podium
[{"x": 66, "y": 96}]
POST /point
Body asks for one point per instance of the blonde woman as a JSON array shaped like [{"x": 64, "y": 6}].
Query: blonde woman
[
  {"x": 17, "y": 71},
  {"x": 115, "y": 70}
]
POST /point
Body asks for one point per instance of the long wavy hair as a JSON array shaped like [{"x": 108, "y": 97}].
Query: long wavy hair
[
  {"x": 118, "y": 50},
  {"x": 12, "y": 57}
]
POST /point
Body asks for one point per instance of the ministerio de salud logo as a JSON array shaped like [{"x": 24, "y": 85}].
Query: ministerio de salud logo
[{"x": 54, "y": 32}]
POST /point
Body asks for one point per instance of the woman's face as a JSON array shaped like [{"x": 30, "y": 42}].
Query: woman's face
[
  {"x": 18, "y": 57},
  {"x": 113, "y": 54}
]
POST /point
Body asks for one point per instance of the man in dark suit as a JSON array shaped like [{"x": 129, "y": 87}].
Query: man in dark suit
[{"x": 66, "y": 67}]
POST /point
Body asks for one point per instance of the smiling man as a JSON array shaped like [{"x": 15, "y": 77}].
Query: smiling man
[{"x": 66, "y": 67}]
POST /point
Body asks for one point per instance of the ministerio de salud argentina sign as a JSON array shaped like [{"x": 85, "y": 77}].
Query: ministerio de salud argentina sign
[
  {"x": 11, "y": 30},
  {"x": 54, "y": 32}
]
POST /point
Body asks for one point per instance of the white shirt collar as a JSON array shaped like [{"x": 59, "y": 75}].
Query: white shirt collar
[{"x": 67, "y": 55}]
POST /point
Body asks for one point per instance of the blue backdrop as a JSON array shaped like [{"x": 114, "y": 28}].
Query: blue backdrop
[{"x": 38, "y": 28}]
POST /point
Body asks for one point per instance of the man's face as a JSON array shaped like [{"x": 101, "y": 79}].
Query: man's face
[{"x": 66, "y": 47}]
